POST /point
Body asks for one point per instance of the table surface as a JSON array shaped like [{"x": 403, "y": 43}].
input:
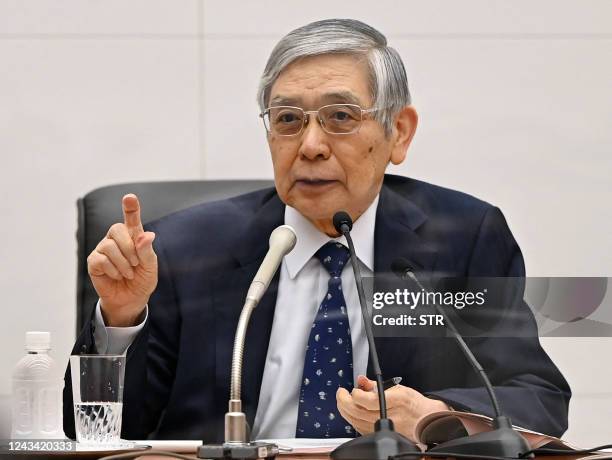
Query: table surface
[{"x": 284, "y": 456}]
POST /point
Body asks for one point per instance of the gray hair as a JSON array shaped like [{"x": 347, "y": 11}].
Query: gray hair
[{"x": 388, "y": 81}]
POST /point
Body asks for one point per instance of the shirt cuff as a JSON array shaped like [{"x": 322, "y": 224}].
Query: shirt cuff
[{"x": 115, "y": 340}]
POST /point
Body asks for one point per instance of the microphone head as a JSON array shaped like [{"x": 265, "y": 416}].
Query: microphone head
[
  {"x": 340, "y": 219},
  {"x": 400, "y": 266},
  {"x": 283, "y": 238}
]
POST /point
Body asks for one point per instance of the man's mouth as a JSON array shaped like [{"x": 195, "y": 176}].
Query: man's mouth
[{"x": 314, "y": 182}]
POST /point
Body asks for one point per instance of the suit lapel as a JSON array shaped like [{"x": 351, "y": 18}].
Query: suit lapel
[
  {"x": 396, "y": 236},
  {"x": 229, "y": 291}
]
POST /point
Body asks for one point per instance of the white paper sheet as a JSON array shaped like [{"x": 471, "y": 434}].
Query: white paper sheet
[
  {"x": 308, "y": 443},
  {"x": 180, "y": 446}
]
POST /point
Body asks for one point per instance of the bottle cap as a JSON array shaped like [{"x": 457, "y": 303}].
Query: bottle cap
[{"x": 38, "y": 341}]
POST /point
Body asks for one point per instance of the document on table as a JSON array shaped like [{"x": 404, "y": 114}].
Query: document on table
[
  {"x": 179, "y": 446},
  {"x": 310, "y": 445}
]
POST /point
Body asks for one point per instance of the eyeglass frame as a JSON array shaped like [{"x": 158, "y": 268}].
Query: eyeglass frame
[{"x": 306, "y": 119}]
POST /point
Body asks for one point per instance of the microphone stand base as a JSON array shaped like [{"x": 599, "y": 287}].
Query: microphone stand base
[
  {"x": 242, "y": 450},
  {"x": 503, "y": 441},
  {"x": 379, "y": 445}
]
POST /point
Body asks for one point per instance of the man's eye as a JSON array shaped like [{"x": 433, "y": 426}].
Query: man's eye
[
  {"x": 341, "y": 115},
  {"x": 287, "y": 118}
]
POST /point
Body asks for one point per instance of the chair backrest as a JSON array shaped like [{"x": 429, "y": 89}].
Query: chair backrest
[{"x": 101, "y": 208}]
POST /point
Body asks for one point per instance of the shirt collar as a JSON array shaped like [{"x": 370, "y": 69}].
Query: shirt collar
[{"x": 310, "y": 239}]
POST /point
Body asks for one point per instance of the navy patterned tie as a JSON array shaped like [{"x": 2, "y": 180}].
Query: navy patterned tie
[{"x": 329, "y": 356}]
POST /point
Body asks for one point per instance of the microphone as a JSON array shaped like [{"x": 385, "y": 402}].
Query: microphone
[
  {"x": 503, "y": 441},
  {"x": 237, "y": 445},
  {"x": 342, "y": 222},
  {"x": 282, "y": 242},
  {"x": 384, "y": 441}
]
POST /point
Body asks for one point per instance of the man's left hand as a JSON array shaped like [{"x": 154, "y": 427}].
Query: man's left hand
[{"x": 405, "y": 406}]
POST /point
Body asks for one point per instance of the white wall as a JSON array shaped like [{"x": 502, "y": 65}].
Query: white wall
[{"x": 514, "y": 101}]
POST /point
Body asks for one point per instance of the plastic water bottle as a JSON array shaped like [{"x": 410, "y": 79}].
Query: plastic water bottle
[{"x": 37, "y": 399}]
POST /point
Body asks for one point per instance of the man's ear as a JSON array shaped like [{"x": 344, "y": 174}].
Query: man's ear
[{"x": 404, "y": 127}]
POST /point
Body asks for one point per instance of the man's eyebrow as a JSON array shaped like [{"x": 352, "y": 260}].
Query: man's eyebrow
[
  {"x": 342, "y": 97},
  {"x": 284, "y": 100}
]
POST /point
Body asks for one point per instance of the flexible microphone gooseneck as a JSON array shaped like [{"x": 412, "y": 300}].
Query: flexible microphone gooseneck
[
  {"x": 344, "y": 224},
  {"x": 403, "y": 269},
  {"x": 384, "y": 441},
  {"x": 237, "y": 445},
  {"x": 282, "y": 242},
  {"x": 503, "y": 441}
]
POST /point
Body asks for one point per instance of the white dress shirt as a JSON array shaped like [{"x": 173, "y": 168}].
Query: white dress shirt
[
  {"x": 115, "y": 340},
  {"x": 302, "y": 285}
]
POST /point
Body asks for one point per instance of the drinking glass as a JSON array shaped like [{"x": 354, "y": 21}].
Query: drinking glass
[{"x": 97, "y": 392}]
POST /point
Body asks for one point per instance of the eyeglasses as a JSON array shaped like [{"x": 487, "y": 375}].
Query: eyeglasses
[{"x": 334, "y": 119}]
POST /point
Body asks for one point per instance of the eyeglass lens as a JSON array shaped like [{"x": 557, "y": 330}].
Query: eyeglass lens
[{"x": 335, "y": 119}]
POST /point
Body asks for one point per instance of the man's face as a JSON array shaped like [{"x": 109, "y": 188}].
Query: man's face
[{"x": 319, "y": 173}]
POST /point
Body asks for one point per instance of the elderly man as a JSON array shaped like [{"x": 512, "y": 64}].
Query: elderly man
[{"x": 336, "y": 108}]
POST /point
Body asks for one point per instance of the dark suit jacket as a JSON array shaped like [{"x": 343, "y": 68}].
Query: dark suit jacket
[{"x": 178, "y": 372}]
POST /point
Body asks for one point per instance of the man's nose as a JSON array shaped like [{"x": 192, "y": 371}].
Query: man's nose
[{"x": 314, "y": 143}]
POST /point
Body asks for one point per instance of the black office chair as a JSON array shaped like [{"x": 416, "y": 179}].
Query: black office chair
[{"x": 101, "y": 208}]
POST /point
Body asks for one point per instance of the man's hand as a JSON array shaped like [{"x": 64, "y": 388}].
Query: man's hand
[
  {"x": 123, "y": 267},
  {"x": 405, "y": 407}
]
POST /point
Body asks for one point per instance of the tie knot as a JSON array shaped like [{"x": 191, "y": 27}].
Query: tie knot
[{"x": 333, "y": 256}]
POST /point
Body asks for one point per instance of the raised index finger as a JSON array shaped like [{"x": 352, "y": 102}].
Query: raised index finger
[{"x": 131, "y": 214}]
